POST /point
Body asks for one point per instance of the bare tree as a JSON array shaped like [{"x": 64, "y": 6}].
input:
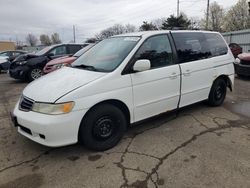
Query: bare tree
[
  {"x": 45, "y": 40},
  {"x": 115, "y": 30},
  {"x": 31, "y": 39},
  {"x": 237, "y": 18},
  {"x": 216, "y": 17},
  {"x": 55, "y": 38},
  {"x": 129, "y": 28}
]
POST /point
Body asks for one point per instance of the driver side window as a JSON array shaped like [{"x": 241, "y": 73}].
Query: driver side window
[
  {"x": 60, "y": 50},
  {"x": 157, "y": 50}
]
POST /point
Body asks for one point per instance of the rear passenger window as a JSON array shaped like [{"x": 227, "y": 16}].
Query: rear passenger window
[
  {"x": 74, "y": 48},
  {"x": 191, "y": 46},
  {"x": 157, "y": 50},
  {"x": 216, "y": 43}
]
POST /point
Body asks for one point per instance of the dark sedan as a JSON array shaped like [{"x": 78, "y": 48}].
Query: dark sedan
[{"x": 30, "y": 66}]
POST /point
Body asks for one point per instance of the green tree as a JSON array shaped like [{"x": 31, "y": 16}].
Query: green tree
[
  {"x": 147, "y": 26},
  {"x": 173, "y": 22}
]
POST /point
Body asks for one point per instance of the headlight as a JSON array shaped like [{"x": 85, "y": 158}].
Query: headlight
[
  {"x": 53, "y": 109},
  {"x": 58, "y": 66},
  {"x": 237, "y": 60},
  {"x": 21, "y": 62}
]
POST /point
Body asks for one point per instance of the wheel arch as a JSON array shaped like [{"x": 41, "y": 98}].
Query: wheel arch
[
  {"x": 118, "y": 103},
  {"x": 227, "y": 81}
]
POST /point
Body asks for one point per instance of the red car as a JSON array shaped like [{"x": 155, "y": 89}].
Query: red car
[
  {"x": 64, "y": 61},
  {"x": 242, "y": 65},
  {"x": 236, "y": 49}
]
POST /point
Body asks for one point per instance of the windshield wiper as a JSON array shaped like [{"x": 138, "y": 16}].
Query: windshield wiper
[{"x": 88, "y": 67}]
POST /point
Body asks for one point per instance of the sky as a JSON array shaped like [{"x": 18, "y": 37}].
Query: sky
[{"x": 20, "y": 17}]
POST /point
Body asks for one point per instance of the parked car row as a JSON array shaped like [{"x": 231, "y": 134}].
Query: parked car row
[{"x": 31, "y": 66}]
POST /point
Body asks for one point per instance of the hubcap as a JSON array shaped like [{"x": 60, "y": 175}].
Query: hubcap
[
  {"x": 103, "y": 128},
  {"x": 218, "y": 93},
  {"x": 36, "y": 73}
]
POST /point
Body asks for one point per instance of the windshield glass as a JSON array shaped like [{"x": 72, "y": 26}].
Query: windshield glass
[
  {"x": 43, "y": 51},
  {"x": 107, "y": 55},
  {"x": 82, "y": 51}
]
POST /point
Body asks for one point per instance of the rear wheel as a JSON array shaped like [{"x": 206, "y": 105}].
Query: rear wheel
[
  {"x": 35, "y": 73},
  {"x": 217, "y": 93},
  {"x": 103, "y": 127}
]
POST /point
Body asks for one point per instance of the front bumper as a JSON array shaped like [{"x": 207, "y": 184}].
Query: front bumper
[
  {"x": 19, "y": 72},
  {"x": 48, "y": 130},
  {"x": 241, "y": 69}
]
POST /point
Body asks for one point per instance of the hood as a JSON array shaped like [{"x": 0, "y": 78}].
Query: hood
[
  {"x": 53, "y": 86},
  {"x": 62, "y": 60},
  {"x": 25, "y": 57},
  {"x": 244, "y": 56}
]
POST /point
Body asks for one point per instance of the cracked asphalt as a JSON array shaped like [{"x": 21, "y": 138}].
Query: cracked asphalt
[{"x": 201, "y": 146}]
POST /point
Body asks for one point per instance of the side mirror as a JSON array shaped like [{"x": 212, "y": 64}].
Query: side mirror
[{"x": 141, "y": 65}]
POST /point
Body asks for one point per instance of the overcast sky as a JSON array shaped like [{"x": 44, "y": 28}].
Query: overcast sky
[{"x": 19, "y": 17}]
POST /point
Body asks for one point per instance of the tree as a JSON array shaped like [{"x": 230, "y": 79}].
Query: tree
[
  {"x": 147, "y": 26},
  {"x": 173, "y": 22},
  {"x": 237, "y": 18},
  {"x": 55, "y": 38},
  {"x": 31, "y": 39},
  {"x": 90, "y": 40},
  {"x": 45, "y": 40},
  {"x": 158, "y": 23},
  {"x": 115, "y": 30},
  {"x": 215, "y": 19},
  {"x": 129, "y": 28}
]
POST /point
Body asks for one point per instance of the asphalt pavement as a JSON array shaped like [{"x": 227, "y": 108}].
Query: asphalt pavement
[{"x": 200, "y": 146}]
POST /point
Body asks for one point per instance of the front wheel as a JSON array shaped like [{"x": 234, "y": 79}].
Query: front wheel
[
  {"x": 35, "y": 73},
  {"x": 217, "y": 93},
  {"x": 103, "y": 127}
]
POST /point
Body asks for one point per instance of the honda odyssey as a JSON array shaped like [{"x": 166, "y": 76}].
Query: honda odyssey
[{"x": 122, "y": 80}]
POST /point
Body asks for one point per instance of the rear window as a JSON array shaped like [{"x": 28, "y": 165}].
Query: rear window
[
  {"x": 197, "y": 46},
  {"x": 217, "y": 44}
]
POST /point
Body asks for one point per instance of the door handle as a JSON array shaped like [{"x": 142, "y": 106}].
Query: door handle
[
  {"x": 187, "y": 73},
  {"x": 173, "y": 76}
]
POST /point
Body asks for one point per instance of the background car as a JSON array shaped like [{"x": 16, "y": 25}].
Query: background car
[
  {"x": 236, "y": 49},
  {"x": 65, "y": 61},
  {"x": 242, "y": 64},
  {"x": 12, "y": 54},
  {"x": 30, "y": 66},
  {"x": 4, "y": 63}
]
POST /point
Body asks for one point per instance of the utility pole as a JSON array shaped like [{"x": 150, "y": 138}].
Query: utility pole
[
  {"x": 207, "y": 14},
  {"x": 178, "y": 8},
  {"x": 249, "y": 7},
  {"x": 74, "y": 34}
]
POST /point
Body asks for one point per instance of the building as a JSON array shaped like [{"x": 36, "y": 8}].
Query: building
[
  {"x": 6, "y": 45},
  {"x": 241, "y": 37}
]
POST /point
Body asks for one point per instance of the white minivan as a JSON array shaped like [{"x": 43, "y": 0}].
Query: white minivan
[{"x": 122, "y": 80}]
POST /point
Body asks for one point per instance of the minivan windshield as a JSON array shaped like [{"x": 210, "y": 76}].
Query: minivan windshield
[
  {"x": 107, "y": 55},
  {"x": 44, "y": 50}
]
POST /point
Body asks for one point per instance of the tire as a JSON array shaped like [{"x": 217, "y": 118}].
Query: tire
[
  {"x": 34, "y": 74},
  {"x": 102, "y": 128},
  {"x": 217, "y": 93}
]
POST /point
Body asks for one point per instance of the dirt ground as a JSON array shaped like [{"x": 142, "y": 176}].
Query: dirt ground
[{"x": 200, "y": 146}]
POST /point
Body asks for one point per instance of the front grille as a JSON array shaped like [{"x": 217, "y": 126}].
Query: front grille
[
  {"x": 244, "y": 62},
  {"x": 25, "y": 104}
]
